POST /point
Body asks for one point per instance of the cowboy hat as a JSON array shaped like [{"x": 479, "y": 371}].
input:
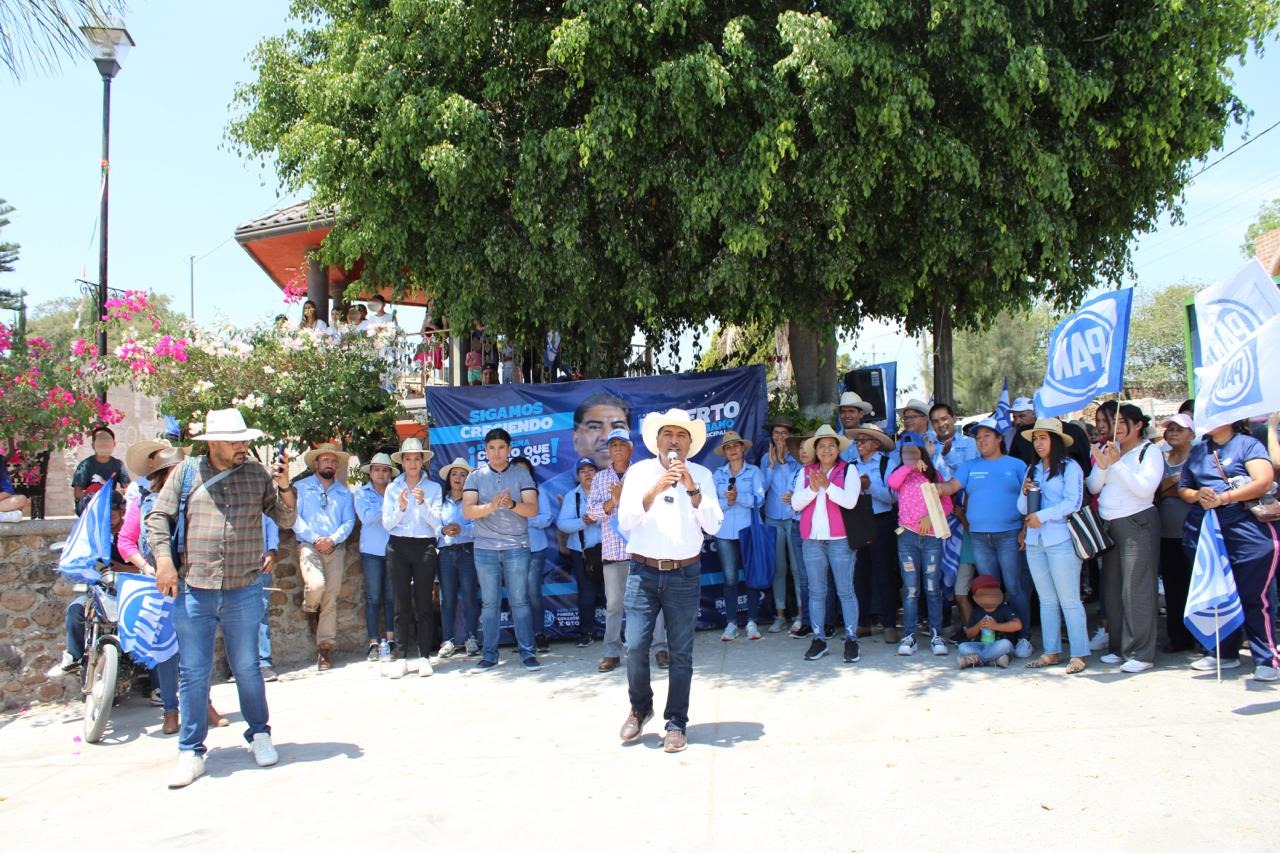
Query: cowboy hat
[
  {"x": 1052, "y": 425},
  {"x": 137, "y": 459},
  {"x": 459, "y": 462},
  {"x": 873, "y": 431},
  {"x": 729, "y": 438},
  {"x": 780, "y": 422},
  {"x": 655, "y": 421},
  {"x": 850, "y": 398},
  {"x": 412, "y": 445},
  {"x": 226, "y": 425},
  {"x": 380, "y": 459},
  {"x": 825, "y": 431},
  {"x": 315, "y": 453},
  {"x": 915, "y": 404},
  {"x": 166, "y": 458}
]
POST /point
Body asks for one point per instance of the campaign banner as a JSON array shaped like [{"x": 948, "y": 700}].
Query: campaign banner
[
  {"x": 555, "y": 424},
  {"x": 1228, "y": 312},
  {"x": 145, "y": 622},
  {"x": 1240, "y": 385},
  {"x": 1086, "y": 354}
]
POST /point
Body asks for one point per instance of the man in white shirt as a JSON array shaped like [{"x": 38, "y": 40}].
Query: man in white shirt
[{"x": 667, "y": 504}]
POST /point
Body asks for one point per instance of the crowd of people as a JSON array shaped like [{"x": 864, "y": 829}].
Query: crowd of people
[{"x": 867, "y": 523}]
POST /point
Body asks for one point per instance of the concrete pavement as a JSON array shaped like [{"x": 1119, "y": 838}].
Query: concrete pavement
[{"x": 887, "y": 753}]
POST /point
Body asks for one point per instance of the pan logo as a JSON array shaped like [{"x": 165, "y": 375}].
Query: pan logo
[
  {"x": 1080, "y": 360},
  {"x": 1237, "y": 384},
  {"x": 1231, "y": 321}
]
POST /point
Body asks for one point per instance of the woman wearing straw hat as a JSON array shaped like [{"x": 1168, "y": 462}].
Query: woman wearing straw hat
[
  {"x": 780, "y": 469},
  {"x": 740, "y": 490},
  {"x": 457, "y": 565},
  {"x": 378, "y": 598},
  {"x": 411, "y": 553},
  {"x": 1051, "y": 556},
  {"x": 820, "y": 492}
]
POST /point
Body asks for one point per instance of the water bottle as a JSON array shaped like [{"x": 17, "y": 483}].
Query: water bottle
[
  {"x": 1033, "y": 499},
  {"x": 988, "y": 636},
  {"x": 384, "y": 651}
]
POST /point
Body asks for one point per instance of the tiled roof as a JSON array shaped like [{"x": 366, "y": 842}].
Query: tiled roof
[{"x": 286, "y": 220}]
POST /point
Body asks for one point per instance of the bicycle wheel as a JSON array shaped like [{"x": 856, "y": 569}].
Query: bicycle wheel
[{"x": 100, "y": 692}]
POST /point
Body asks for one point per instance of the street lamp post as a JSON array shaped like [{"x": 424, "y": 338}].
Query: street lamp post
[{"x": 108, "y": 44}]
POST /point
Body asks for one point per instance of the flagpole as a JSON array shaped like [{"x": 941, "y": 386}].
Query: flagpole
[{"x": 1217, "y": 642}]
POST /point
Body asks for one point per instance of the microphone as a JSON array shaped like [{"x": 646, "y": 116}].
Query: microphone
[{"x": 672, "y": 458}]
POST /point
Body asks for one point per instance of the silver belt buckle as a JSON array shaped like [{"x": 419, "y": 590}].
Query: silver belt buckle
[{"x": 668, "y": 565}]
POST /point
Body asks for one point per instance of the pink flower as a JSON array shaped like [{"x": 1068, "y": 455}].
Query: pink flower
[{"x": 80, "y": 347}]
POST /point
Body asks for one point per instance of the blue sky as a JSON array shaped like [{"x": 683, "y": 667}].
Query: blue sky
[{"x": 179, "y": 190}]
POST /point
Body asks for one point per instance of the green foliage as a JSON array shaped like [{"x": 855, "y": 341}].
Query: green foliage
[
  {"x": 8, "y": 251},
  {"x": 1268, "y": 219},
  {"x": 1012, "y": 347},
  {"x": 606, "y": 165},
  {"x": 1156, "y": 365}
]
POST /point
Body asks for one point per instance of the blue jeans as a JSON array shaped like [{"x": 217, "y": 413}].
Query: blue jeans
[
  {"x": 537, "y": 613},
  {"x": 787, "y": 552},
  {"x": 264, "y": 628},
  {"x": 74, "y": 623},
  {"x": 920, "y": 556},
  {"x": 378, "y": 598},
  {"x": 997, "y": 555},
  {"x": 987, "y": 651},
  {"x": 1055, "y": 569},
  {"x": 458, "y": 573},
  {"x": 675, "y": 594},
  {"x": 730, "y": 553},
  {"x": 493, "y": 568},
  {"x": 165, "y": 677},
  {"x": 818, "y": 555},
  {"x": 197, "y": 613}
]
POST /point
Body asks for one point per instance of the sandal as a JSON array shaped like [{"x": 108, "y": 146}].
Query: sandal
[
  {"x": 1043, "y": 661},
  {"x": 968, "y": 661},
  {"x": 1075, "y": 666}
]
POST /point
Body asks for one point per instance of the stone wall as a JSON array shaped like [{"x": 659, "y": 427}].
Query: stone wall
[{"x": 33, "y": 599}]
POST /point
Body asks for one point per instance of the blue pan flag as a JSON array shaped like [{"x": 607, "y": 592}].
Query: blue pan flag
[
  {"x": 89, "y": 545},
  {"x": 1213, "y": 605}
]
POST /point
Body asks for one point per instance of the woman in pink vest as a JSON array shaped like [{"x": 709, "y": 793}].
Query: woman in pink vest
[{"x": 821, "y": 490}]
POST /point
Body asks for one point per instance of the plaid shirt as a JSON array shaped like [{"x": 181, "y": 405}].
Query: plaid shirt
[
  {"x": 224, "y": 525},
  {"x": 615, "y": 547}
]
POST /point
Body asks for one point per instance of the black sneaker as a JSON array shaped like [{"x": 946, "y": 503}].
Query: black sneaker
[
  {"x": 583, "y": 642},
  {"x": 851, "y": 651},
  {"x": 532, "y": 665},
  {"x": 541, "y": 644},
  {"x": 817, "y": 649},
  {"x": 801, "y": 632},
  {"x": 486, "y": 664},
  {"x": 372, "y": 656}
]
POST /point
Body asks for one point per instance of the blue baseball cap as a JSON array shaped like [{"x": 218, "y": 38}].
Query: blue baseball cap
[
  {"x": 986, "y": 423},
  {"x": 911, "y": 439},
  {"x": 1023, "y": 404},
  {"x": 618, "y": 435},
  {"x": 586, "y": 460}
]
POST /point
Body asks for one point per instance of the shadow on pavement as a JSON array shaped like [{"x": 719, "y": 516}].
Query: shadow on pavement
[
  {"x": 725, "y": 734},
  {"x": 1257, "y": 708},
  {"x": 225, "y": 760}
]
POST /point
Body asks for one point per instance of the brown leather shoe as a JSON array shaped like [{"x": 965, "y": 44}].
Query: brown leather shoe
[
  {"x": 609, "y": 664},
  {"x": 171, "y": 724},
  {"x": 634, "y": 725},
  {"x": 663, "y": 659},
  {"x": 674, "y": 741},
  {"x": 891, "y": 635},
  {"x": 217, "y": 720},
  {"x": 862, "y": 631},
  {"x": 323, "y": 659}
]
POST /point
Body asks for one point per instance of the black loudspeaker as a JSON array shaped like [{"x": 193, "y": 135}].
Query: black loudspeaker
[{"x": 868, "y": 383}]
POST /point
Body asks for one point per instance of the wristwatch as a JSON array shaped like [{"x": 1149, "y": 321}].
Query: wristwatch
[{"x": 693, "y": 492}]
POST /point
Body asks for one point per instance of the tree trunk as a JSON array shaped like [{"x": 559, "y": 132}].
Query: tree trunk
[
  {"x": 813, "y": 360},
  {"x": 943, "y": 363},
  {"x": 784, "y": 372}
]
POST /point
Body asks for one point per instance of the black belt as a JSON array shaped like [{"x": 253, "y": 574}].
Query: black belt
[
  {"x": 456, "y": 545},
  {"x": 665, "y": 565},
  {"x": 422, "y": 540}
]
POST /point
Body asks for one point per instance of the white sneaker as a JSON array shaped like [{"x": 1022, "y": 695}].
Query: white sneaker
[
  {"x": 778, "y": 624},
  {"x": 1111, "y": 658},
  {"x": 64, "y": 665},
  {"x": 11, "y": 515},
  {"x": 1023, "y": 649},
  {"x": 1100, "y": 640},
  {"x": 190, "y": 768},
  {"x": 907, "y": 646},
  {"x": 1265, "y": 673},
  {"x": 753, "y": 631},
  {"x": 447, "y": 648},
  {"x": 939, "y": 645},
  {"x": 424, "y": 667},
  {"x": 264, "y": 752},
  {"x": 730, "y": 632},
  {"x": 796, "y": 626},
  {"x": 1133, "y": 665}
]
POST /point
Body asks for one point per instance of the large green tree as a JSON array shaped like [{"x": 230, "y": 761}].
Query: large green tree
[
  {"x": 1157, "y": 359},
  {"x": 605, "y": 164},
  {"x": 1268, "y": 219}
]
